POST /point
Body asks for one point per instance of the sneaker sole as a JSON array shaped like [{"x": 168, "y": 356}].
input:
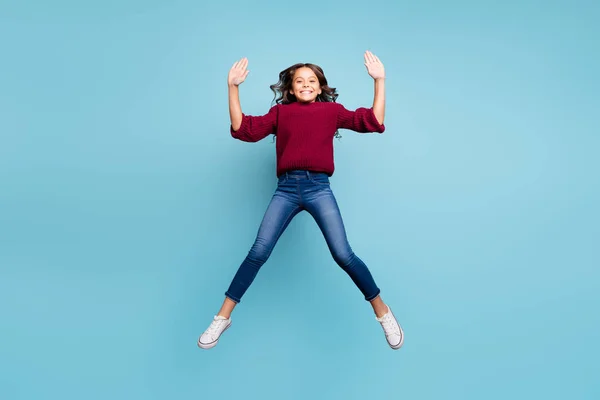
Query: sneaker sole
[{"x": 213, "y": 344}]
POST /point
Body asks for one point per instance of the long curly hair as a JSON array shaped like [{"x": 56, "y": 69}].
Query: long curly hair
[{"x": 283, "y": 87}]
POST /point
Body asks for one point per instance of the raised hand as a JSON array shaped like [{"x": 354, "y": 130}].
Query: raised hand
[
  {"x": 374, "y": 66},
  {"x": 238, "y": 72}
]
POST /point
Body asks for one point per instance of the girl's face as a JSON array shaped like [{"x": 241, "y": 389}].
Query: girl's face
[{"x": 305, "y": 85}]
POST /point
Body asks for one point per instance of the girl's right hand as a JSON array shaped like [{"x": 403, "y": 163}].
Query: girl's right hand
[{"x": 238, "y": 73}]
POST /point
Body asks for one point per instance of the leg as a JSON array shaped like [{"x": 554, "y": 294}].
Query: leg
[
  {"x": 379, "y": 307},
  {"x": 227, "y": 307},
  {"x": 283, "y": 207},
  {"x": 324, "y": 208},
  {"x": 279, "y": 214}
]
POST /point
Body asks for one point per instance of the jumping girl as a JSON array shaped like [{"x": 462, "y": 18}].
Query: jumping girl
[{"x": 305, "y": 119}]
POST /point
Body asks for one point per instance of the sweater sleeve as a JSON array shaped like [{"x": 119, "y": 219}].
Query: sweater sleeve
[
  {"x": 361, "y": 120},
  {"x": 255, "y": 128}
]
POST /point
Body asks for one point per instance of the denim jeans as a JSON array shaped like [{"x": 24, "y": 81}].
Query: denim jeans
[{"x": 302, "y": 191}]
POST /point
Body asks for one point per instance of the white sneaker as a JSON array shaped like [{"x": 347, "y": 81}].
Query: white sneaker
[
  {"x": 393, "y": 331},
  {"x": 210, "y": 337}
]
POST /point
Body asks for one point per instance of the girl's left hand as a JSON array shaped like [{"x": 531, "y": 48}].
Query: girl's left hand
[{"x": 374, "y": 66}]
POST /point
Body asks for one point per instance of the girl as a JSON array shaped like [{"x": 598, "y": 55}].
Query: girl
[{"x": 304, "y": 119}]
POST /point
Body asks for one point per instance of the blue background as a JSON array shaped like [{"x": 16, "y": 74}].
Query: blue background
[{"x": 126, "y": 206}]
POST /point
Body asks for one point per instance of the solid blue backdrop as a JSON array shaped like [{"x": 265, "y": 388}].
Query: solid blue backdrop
[{"x": 126, "y": 206}]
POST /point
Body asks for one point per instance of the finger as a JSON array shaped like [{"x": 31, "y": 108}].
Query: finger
[
  {"x": 371, "y": 57},
  {"x": 238, "y": 63}
]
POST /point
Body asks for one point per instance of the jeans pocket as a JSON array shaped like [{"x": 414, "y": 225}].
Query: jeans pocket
[{"x": 320, "y": 180}]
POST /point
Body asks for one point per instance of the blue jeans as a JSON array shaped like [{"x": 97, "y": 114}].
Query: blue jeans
[{"x": 298, "y": 191}]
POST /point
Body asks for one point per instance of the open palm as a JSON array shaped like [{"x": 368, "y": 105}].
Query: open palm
[
  {"x": 238, "y": 72},
  {"x": 374, "y": 66}
]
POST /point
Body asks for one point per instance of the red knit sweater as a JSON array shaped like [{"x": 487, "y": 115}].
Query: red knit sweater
[{"x": 305, "y": 132}]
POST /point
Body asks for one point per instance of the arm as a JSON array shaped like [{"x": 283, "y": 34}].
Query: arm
[
  {"x": 377, "y": 72},
  {"x": 246, "y": 128},
  {"x": 237, "y": 75},
  {"x": 235, "y": 109},
  {"x": 362, "y": 120},
  {"x": 367, "y": 119},
  {"x": 254, "y": 128},
  {"x": 379, "y": 100}
]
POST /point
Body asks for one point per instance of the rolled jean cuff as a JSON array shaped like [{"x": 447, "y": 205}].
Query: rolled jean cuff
[
  {"x": 232, "y": 298},
  {"x": 371, "y": 297}
]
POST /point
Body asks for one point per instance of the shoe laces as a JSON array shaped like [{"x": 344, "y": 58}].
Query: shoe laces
[
  {"x": 389, "y": 323},
  {"x": 216, "y": 325}
]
